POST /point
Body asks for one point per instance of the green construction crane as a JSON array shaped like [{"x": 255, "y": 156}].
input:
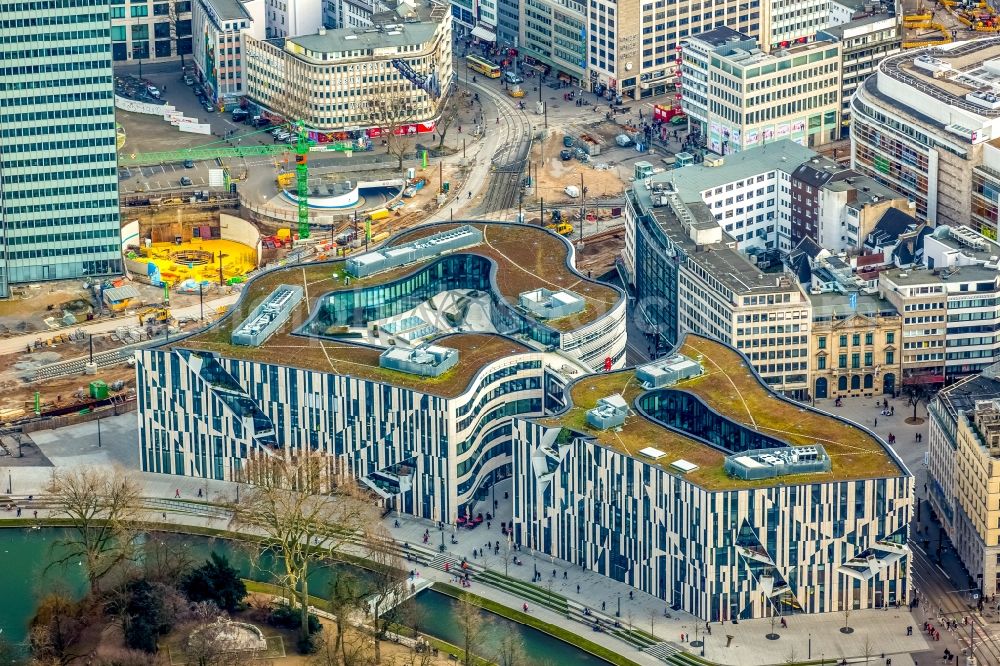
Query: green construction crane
[{"x": 223, "y": 149}]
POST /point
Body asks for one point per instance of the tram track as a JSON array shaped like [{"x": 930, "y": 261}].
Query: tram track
[
  {"x": 949, "y": 604},
  {"x": 508, "y": 161}
]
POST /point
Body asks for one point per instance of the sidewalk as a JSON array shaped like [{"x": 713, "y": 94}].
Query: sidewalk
[{"x": 817, "y": 635}]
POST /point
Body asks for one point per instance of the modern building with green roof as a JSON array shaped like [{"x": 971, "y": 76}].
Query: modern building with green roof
[{"x": 693, "y": 481}]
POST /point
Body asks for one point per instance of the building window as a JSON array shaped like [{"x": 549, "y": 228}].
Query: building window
[
  {"x": 890, "y": 357},
  {"x": 890, "y": 338},
  {"x": 869, "y": 338},
  {"x": 856, "y": 339},
  {"x": 140, "y": 10},
  {"x": 843, "y": 341},
  {"x": 855, "y": 360},
  {"x": 842, "y": 361},
  {"x": 821, "y": 363},
  {"x": 868, "y": 359},
  {"x": 822, "y": 342}
]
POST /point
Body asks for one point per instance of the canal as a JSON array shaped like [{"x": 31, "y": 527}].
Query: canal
[{"x": 25, "y": 577}]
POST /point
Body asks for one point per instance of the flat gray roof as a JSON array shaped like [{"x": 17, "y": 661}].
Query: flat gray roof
[
  {"x": 407, "y": 34},
  {"x": 925, "y": 276},
  {"x": 834, "y": 305},
  {"x": 722, "y": 260},
  {"x": 691, "y": 180},
  {"x": 228, "y": 10}
]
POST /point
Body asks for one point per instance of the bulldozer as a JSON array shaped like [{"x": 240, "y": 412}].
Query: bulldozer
[
  {"x": 154, "y": 316},
  {"x": 561, "y": 228}
]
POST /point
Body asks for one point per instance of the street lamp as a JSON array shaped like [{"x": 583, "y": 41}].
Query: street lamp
[
  {"x": 618, "y": 613},
  {"x": 98, "y": 432},
  {"x": 442, "y": 547}
]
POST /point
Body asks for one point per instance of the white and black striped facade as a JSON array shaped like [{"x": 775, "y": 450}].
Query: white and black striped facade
[
  {"x": 744, "y": 552},
  {"x": 202, "y": 415}
]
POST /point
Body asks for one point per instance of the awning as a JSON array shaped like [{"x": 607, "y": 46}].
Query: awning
[{"x": 483, "y": 33}]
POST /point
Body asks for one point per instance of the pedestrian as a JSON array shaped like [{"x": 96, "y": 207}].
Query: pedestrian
[
  {"x": 525, "y": 607},
  {"x": 876, "y": 421},
  {"x": 565, "y": 575},
  {"x": 578, "y": 588},
  {"x": 199, "y": 492},
  {"x": 18, "y": 512},
  {"x": 603, "y": 606},
  {"x": 177, "y": 492},
  {"x": 630, "y": 595},
  {"x": 36, "y": 514},
  {"x": 487, "y": 524}
]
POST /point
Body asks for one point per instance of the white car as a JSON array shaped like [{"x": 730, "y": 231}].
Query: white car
[{"x": 154, "y": 91}]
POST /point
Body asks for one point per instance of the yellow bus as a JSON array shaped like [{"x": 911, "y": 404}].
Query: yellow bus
[{"x": 484, "y": 67}]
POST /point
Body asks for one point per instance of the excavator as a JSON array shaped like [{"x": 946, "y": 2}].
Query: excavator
[{"x": 154, "y": 315}]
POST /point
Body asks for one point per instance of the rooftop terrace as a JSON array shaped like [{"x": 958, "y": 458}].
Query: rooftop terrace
[
  {"x": 730, "y": 387},
  {"x": 526, "y": 257}
]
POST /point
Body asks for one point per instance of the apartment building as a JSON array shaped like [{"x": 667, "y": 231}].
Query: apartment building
[
  {"x": 342, "y": 80},
  {"x": 788, "y": 22},
  {"x": 656, "y": 478},
  {"x": 58, "y": 159},
  {"x": 919, "y": 125},
  {"x": 836, "y": 206},
  {"x": 963, "y": 474},
  {"x": 221, "y": 29},
  {"x": 854, "y": 345},
  {"x": 689, "y": 276},
  {"x": 738, "y": 96},
  {"x": 140, "y": 32},
  {"x": 865, "y": 42}
]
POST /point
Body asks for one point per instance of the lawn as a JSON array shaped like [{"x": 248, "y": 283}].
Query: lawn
[{"x": 729, "y": 386}]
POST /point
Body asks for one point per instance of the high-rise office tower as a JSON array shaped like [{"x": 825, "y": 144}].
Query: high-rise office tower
[{"x": 58, "y": 164}]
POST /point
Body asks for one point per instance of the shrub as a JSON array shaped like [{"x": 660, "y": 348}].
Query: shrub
[{"x": 216, "y": 581}]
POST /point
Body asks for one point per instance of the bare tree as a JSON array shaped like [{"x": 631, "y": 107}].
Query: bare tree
[
  {"x": 179, "y": 29},
  {"x": 471, "y": 625},
  {"x": 105, "y": 512},
  {"x": 284, "y": 507},
  {"x": 846, "y": 629},
  {"x": 345, "y": 597},
  {"x": 387, "y": 583},
  {"x": 511, "y": 651},
  {"x": 393, "y": 112},
  {"x": 449, "y": 114},
  {"x": 868, "y": 649},
  {"x": 57, "y": 629},
  {"x": 652, "y": 621},
  {"x": 790, "y": 657}
]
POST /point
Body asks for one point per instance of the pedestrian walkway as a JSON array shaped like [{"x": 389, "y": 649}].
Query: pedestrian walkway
[{"x": 560, "y": 596}]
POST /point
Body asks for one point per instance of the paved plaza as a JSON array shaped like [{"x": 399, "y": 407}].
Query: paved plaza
[{"x": 876, "y": 633}]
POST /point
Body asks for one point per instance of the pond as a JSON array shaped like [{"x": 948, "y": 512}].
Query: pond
[{"x": 24, "y": 578}]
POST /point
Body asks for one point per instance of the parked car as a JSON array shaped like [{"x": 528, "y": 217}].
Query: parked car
[
  {"x": 188, "y": 164},
  {"x": 240, "y": 114},
  {"x": 153, "y": 91},
  {"x": 185, "y": 181},
  {"x": 566, "y": 154},
  {"x": 188, "y": 80}
]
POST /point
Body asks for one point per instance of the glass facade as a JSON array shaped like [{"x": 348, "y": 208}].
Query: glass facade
[
  {"x": 457, "y": 271},
  {"x": 58, "y": 162},
  {"x": 985, "y": 200},
  {"x": 657, "y": 264}
]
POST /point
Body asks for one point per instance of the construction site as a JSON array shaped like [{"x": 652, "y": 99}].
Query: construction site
[{"x": 946, "y": 21}]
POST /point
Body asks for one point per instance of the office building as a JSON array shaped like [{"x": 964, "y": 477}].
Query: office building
[
  {"x": 221, "y": 30},
  {"x": 58, "y": 161},
  {"x": 404, "y": 366},
  {"x": 785, "y": 23},
  {"x": 919, "y": 124},
  {"x": 139, "y": 33},
  {"x": 739, "y": 96},
  {"x": 357, "y": 79},
  {"x": 854, "y": 344},
  {"x": 963, "y": 475},
  {"x": 283, "y": 18},
  {"x": 689, "y": 276},
  {"x": 725, "y": 509},
  {"x": 865, "y": 42},
  {"x": 553, "y": 38},
  {"x": 749, "y": 192},
  {"x": 948, "y": 304}
]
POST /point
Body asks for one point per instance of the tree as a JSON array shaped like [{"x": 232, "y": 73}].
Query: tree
[
  {"x": 790, "y": 657},
  {"x": 868, "y": 649},
  {"x": 216, "y": 581},
  {"x": 297, "y": 524},
  {"x": 345, "y": 596},
  {"x": 846, "y": 629},
  {"x": 449, "y": 114},
  {"x": 144, "y": 614},
  {"x": 387, "y": 583},
  {"x": 471, "y": 625},
  {"x": 179, "y": 30},
  {"x": 56, "y": 630},
  {"x": 511, "y": 651},
  {"x": 105, "y": 512},
  {"x": 915, "y": 394},
  {"x": 392, "y": 112}
]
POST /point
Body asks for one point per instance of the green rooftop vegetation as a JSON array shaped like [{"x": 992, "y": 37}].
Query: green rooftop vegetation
[{"x": 729, "y": 386}]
